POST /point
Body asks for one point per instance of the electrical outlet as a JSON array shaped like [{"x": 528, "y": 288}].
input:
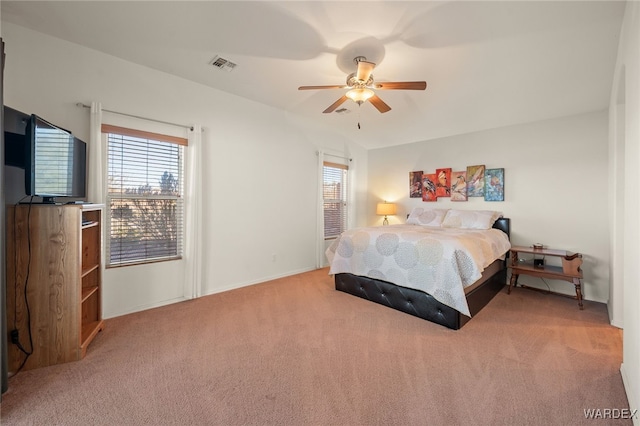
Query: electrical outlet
[
  {"x": 15, "y": 337},
  {"x": 273, "y": 257}
]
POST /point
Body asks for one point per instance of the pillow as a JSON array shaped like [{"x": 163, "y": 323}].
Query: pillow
[
  {"x": 470, "y": 219},
  {"x": 426, "y": 217}
]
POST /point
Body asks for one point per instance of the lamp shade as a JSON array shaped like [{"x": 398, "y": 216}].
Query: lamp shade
[
  {"x": 359, "y": 95},
  {"x": 384, "y": 209}
]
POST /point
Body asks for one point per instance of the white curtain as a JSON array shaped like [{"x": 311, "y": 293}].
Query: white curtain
[
  {"x": 193, "y": 215},
  {"x": 96, "y": 192},
  {"x": 320, "y": 243},
  {"x": 97, "y": 157}
]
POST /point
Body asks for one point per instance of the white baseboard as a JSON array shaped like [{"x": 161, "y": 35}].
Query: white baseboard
[
  {"x": 145, "y": 307},
  {"x": 258, "y": 281},
  {"x": 630, "y": 396},
  {"x": 217, "y": 290}
]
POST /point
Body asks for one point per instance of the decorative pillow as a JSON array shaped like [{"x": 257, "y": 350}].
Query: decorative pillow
[
  {"x": 426, "y": 217},
  {"x": 470, "y": 219}
]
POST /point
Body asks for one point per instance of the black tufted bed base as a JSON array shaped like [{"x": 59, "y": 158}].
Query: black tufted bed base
[
  {"x": 419, "y": 303},
  {"x": 423, "y": 305}
]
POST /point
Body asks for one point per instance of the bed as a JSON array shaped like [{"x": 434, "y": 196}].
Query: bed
[{"x": 442, "y": 298}]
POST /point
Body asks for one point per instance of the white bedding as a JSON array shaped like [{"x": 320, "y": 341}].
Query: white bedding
[{"x": 438, "y": 261}]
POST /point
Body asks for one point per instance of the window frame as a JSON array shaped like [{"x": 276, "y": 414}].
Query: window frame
[
  {"x": 178, "y": 199},
  {"x": 344, "y": 198}
]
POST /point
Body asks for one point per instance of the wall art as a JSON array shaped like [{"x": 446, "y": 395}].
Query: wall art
[
  {"x": 429, "y": 187},
  {"x": 443, "y": 182},
  {"x": 494, "y": 185},
  {"x": 475, "y": 181},
  {"x": 415, "y": 184},
  {"x": 459, "y": 186}
]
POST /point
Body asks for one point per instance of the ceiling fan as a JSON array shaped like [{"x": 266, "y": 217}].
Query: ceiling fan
[{"x": 361, "y": 87}]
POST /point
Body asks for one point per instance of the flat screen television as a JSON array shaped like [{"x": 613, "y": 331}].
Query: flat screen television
[{"x": 55, "y": 162}]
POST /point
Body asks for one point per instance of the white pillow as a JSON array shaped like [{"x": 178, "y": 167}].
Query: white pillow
[
  {"x": 470, "y": 219},
  {"x": 426, "y": 217}
]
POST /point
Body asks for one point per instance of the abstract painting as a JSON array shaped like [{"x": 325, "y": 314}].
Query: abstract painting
[{"x": 494, "y": 185}]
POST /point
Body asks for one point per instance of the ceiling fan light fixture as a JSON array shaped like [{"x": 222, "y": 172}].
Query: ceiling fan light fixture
[
  {"x": 360, "y": 84},
  {"x": 359, "y": 95}
]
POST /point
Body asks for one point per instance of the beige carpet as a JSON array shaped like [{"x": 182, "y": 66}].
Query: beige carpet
[{"x": 294, "y": 351}]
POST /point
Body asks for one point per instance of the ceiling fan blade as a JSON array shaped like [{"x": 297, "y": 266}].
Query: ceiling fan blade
[
  {"x": 379, "y": 104},
  {"x": 335, "y": 105},
  {"x": 342, "y": 86},
  {"x": 401, "y": 85},
  {"x": 364, "y": 70}
]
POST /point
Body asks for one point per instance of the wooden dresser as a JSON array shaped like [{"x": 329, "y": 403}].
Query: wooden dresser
[{"x": 54, "y": 279}]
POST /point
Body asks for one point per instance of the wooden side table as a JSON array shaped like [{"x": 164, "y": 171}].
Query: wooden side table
[{"x": 569, "y": 271}]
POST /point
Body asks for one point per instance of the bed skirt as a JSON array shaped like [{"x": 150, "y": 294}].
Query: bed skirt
[{"x": 421, "y": 304}]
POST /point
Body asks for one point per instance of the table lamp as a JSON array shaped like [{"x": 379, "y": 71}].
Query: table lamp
[{"x": 385, "y": 209}]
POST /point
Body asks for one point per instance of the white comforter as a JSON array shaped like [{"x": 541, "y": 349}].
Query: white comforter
[{"x": 438, "y": 261}]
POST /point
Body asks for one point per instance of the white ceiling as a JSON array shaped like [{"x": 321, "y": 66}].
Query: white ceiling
[{"x": 486, "y": 64}]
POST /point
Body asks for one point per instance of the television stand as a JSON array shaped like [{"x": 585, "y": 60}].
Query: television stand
[
  {"x": 51, "y": 201},
  {"x": 48, "y": 200},
  {"x": 54, "y": 282}
]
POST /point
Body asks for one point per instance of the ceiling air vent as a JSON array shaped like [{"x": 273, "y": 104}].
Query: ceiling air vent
[{"x": 223, "y": 64}]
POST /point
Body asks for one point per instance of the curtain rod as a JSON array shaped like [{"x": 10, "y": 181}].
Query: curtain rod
[
  {"x": 80, "y": 104},
  {"x": 333, "y": 155}
]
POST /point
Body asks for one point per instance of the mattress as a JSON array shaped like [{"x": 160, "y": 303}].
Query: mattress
[{"x": 443, "y": 262}]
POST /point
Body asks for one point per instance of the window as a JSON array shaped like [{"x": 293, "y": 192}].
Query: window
[
  {"x": 144, "y": 196},
  {"x": 334, "y": 194}
]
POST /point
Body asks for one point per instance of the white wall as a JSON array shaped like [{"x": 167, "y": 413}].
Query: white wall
[
  {"x": 259, "y": 174},
  {"x": 624, "y": 142},
  {"x": 555, "y": 186}
]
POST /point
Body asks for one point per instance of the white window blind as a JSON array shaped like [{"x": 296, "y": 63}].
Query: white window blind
[
  {"x": 334, "y": 194},
  {"x": 144, "y": 195}
]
